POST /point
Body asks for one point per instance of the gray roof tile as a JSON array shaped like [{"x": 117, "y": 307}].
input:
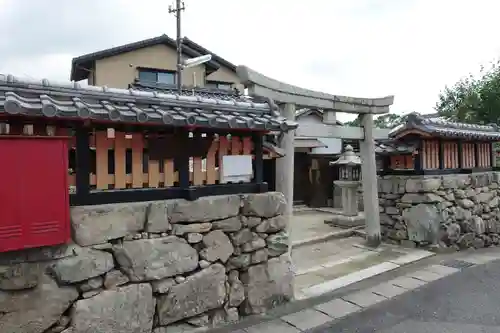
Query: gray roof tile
[
  {"x": 72, "y": 100},
  {"x": 444, "y": 128}
]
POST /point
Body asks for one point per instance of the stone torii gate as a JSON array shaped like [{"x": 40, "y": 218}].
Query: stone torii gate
[{"x": 290, "y": 98}]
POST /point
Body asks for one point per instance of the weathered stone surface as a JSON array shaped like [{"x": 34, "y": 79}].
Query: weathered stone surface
[
  {"x": 199, "y": 321},
  {"x": 271, "y": 225},
  {"x": 200, "y": 292},
  {"x": 91, "y": 284},
  {"x": 37, "y": 309},
  {"x": 162, "y": 286},
  {"x": 242, "y": 237},
  {"x": 194, "y": 237},
  {"x": 240, "y": 261},
  {"x": 41, "y": 254},
  {"x": 414, "y": 185},
  {"x": 277, "y": 244},
  {"x": 217, "y": 246},
  {"x": 264, "y": 204},
  {"x": 228, "y": 225},
  {"x": 99, "y": 224},
  {"x": 259, "y": 256},
  {"x": 155, "y": 259},
  {"x": 204, "y": 209},
  {"x": 180, "y": 328},
  {"x": 181, "y": 229},
  {"x": 91, "y": 293},
  {"x": 127, "y": 309},
  {"x": 115, "y": 278},
  {"x": 61, "y": 325},
  {"x": 255, "y": 244},
  {"x": 250, "y": 221},
  {"x": 87, "y": 264},
  {"x": 236, "y": 292},
  {"x": 421, "y": 198},
  {"x": 20, "y": 276},
  {"x": 223, "y": 317},
  {"x": 267, "y": 285},
  {"x": 423, "y": 222},
  {"x": 157, "y": 217}
]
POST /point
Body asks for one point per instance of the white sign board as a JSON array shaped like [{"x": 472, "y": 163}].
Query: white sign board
[{"x": 236, "y": 168}]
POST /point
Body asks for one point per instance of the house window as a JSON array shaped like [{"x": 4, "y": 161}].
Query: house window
[
  {"x": 219, "y": 85},
  {"x": 156, "y": 76}
]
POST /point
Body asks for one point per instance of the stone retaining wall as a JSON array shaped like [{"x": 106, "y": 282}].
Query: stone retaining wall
[
  {"x": 169, "y": 266},
  {"x": 449, "y": 211}
]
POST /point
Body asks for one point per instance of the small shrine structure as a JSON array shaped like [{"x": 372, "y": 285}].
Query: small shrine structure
[{"x": 426, "y": 146}]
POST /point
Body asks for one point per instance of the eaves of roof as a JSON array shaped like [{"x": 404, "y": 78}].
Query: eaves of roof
[
  {"x": 71, "y": 101},
  {"x": 80, "y": 65},
  {"x": 448, "y": 129}
]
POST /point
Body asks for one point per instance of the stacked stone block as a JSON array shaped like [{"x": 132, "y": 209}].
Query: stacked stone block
[{"x": 163, "y": 266}]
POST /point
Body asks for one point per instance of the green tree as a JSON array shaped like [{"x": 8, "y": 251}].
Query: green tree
[
  {"x": 473, "y": 99},
  {"x": 389, "y": 120}
]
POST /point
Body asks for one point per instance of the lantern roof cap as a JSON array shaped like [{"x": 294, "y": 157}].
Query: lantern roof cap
[{"x": 348, "y": 158}]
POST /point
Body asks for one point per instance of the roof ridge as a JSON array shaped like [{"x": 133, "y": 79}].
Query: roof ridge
[{"x": 64, "y": 86}]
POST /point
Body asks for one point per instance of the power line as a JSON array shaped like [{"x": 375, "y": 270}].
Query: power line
[{"x": 179, "y": 7}]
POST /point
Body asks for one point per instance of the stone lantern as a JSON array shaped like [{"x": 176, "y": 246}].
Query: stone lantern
[{"x": 349, "y": 179}]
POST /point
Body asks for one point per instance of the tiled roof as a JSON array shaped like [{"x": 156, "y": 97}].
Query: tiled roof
[
  {"x": 444, "y": 128},
  {"x": 215, "y": 93},
  {"x": 103, "y": 104},
  {"x": 388, "y": 147}
]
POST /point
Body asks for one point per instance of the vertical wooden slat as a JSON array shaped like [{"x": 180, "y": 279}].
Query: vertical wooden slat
[
  {"x": 223, "y": 148},
  {"x": 137, "y": 166},
  {"x": 168, "y": 172},
  {"x": 120, "y": 161},
  {"x": 153, "y": 173},
  {"x": 101, "y": 146},
  {"x": 198, "y": 174},
  {"x": 247, "y": 145},
  {"x": 210, "y": 163},
  {"x": 236, "y": 145}
]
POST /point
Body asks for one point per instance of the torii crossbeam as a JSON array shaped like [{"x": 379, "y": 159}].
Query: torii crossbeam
[{"x": 290, "y": 98}]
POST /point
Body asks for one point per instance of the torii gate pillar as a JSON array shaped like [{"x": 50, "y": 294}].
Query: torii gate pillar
[
  {"x": 292, "y": 97},
  {"x": 285, "y": 165},
  {"x": 369, "y": 182}
]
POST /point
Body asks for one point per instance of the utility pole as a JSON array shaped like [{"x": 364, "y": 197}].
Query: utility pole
[{"x": 179, "y": 6}]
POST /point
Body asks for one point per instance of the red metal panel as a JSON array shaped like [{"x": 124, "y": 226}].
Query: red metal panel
[{"x": 34, "y": 194}]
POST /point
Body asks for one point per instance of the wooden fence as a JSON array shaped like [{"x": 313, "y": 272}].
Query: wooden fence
[{"x": 121, "y": 160}]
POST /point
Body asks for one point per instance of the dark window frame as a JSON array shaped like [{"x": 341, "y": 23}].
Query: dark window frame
[
  {"x": 156, "y": 71},
  {"x": 217, "y": 84}
]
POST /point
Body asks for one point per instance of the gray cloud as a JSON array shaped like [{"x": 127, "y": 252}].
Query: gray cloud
[{"x": 34, "y": 28}]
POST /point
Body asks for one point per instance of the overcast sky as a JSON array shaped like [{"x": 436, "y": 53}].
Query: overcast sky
[{"x": 364, "y": 48}]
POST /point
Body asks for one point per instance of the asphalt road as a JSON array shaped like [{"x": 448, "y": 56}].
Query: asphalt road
[{"x": 465, "y": 302}]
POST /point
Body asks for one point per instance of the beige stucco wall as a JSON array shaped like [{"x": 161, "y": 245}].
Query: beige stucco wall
[
  {"x": 224, "y": 74},
  {"x": 121, "y": 70}
]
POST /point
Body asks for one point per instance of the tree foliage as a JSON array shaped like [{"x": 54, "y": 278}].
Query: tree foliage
[
  {"x": 389, "y": 120},
  {"x": 473, "y": 99}
]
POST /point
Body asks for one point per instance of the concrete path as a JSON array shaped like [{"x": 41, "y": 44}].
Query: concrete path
[
  {"x": 452, "y": 295},
  {"x": 326, "y": 258},
  {"x": 307, "y": 226},
  {"x": 323, "y": 267}
]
